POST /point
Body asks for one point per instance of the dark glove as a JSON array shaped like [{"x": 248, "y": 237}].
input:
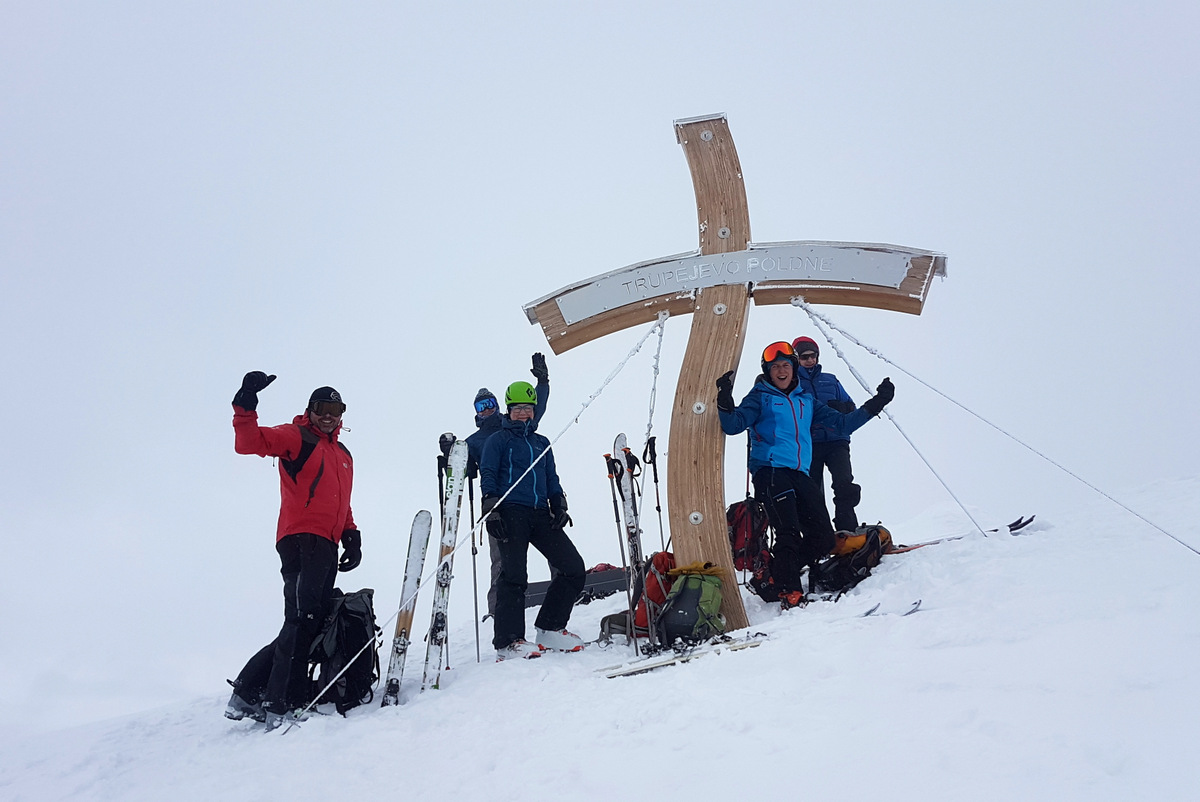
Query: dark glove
[
  {"x": 558, "y": 511},
  {"x": 725, "y": 392},
  {"x": 495, "y": 526},
  {"x": 844, "y": 407},
  {"x": 539, "y": 370},
  {"x": 351, "y": 550},
  {"x": 252, "y": 383},
  {"x": 884, "y": 393}
]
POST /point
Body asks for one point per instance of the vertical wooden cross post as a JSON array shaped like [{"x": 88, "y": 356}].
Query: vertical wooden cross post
[{"x": 715, "y": 285}]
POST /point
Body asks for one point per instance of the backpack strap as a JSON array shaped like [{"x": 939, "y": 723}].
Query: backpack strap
[{"x": 308, "y": 442}]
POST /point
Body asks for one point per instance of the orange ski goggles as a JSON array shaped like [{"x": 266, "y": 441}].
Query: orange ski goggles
[{"x": 779, "y": 350}]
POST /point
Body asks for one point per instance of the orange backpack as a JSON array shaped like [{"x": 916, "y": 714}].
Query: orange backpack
[
  {"x": 658, "y": 585},
  {"x": 850, "y": 542}
]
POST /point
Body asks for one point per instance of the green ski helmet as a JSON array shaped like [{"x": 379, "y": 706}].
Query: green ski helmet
[{"x": 520, "y": 393}]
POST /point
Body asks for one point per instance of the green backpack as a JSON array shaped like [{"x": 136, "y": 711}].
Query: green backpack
[{"x": 692, "y": 611}]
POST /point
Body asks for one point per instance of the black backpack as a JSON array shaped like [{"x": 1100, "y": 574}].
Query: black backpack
[
  {"x": 843, "y": 571},
  {"x": 349, "y": 626},
  {"x": 692, "y": 611}
]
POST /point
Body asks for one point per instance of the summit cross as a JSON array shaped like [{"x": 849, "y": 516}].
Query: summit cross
[{"x": 715, "y": 284}]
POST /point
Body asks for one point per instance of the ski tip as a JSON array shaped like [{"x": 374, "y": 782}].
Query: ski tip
[{"x": 1020, "y": 523}]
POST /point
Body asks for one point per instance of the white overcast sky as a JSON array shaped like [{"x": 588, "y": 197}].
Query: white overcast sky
[{"x": 365, "y": 194}]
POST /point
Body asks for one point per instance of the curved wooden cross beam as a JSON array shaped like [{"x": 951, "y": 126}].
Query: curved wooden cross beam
[
  {"x": 872, "y": 275},
  {"x": 715, "y": 284}
]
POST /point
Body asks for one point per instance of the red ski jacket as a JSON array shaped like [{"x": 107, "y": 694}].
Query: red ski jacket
[{"x": 316, "y": 473}]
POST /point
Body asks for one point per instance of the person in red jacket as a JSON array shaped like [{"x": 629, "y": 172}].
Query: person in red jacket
[{"x": 316, "y": 473}]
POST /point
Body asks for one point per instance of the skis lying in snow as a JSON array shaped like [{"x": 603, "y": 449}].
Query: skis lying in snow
[
  {"x": 1011, "y": 528},
  {"x": 418, "y": 543},
  {"x": 723, "y": 643},
  {"x": 912, "y": 608},
  {"x": 597, "y": 585}
]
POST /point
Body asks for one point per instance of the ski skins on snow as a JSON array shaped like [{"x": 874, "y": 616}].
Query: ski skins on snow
[
  {"x": 418, "y": 543},
  {"x": 435, "y": 653}
]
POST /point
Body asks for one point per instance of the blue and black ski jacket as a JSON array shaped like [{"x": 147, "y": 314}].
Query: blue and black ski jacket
[{"x": 780, "y": 424}]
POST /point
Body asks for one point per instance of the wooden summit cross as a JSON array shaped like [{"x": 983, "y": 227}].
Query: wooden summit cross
[{"x": 715, "y": 284}]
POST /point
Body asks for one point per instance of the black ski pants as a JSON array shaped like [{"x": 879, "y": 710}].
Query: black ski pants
[
  {"x": 278, "y": 673},
  {"x": 803, "y": 532},
  {"x": 835, "y": 455},
  {"x": 525, "y": 527}
]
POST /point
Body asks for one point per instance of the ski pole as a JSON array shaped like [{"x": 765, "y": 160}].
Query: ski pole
[
  {"x": 474, "y": 560},
  {"x": 614, "y": 466},
  {"x": 445, "y": 442},
  {"x": 651, "y": 458},
  {"x": 633, "y": 468}
]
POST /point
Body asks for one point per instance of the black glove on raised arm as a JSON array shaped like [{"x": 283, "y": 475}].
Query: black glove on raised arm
[
  {"x": 539, "y": 369},
  {"x": 725, "y": 391},
  {"x": 252, "y": 383},
  {"x": 884, "y": 393},
  {"x": 558, "y": 511},
  {"x": 351, "y": 550},
  {"x": 495, "y": 526}
]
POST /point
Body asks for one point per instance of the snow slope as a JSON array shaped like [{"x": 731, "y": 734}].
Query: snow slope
[{"x": 1061, "y": 664}]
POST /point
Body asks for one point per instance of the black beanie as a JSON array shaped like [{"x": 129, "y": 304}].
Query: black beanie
[
  {"x": 325, "y": 394},
  {"x": 484, "y": 393}
]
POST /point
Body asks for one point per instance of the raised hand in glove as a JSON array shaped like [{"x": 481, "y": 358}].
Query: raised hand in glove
[
  {"x": 351, "y": 550},
  {"x": 539, "y": 369},
  {"x": 558, "y": 511},
  {"x": 884, "y": 393},
  {"x": 252, "y": 383},
  {"x": 495, "y": 526},
  {"x": 725, "y": 391}
]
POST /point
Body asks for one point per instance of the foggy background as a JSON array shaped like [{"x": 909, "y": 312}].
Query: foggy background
[{"x": 365, "y": 196}]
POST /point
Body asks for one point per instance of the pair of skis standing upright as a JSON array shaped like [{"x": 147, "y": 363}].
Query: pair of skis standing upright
[
  {"x": 623, "y": 468},
  {"x": 453, "y": 463}
]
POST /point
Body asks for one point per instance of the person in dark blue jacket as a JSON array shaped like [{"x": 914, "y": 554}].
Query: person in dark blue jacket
[
  {"x": 780, "y": 413},
  {"x": 487, "y": 423},
  {"x": 829, "y": 449},
  {"x": 518, "y": 459}
]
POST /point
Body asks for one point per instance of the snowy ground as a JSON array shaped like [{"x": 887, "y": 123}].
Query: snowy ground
[{"x": 1061, "y": 664}]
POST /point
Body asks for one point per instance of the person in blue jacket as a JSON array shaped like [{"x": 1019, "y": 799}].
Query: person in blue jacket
[
  {"x": 780, "y": 413},
  {"x": 533, "y": 513},
  {"x": 487, "y": 423},
  {"x": 829, "y": 449}
]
